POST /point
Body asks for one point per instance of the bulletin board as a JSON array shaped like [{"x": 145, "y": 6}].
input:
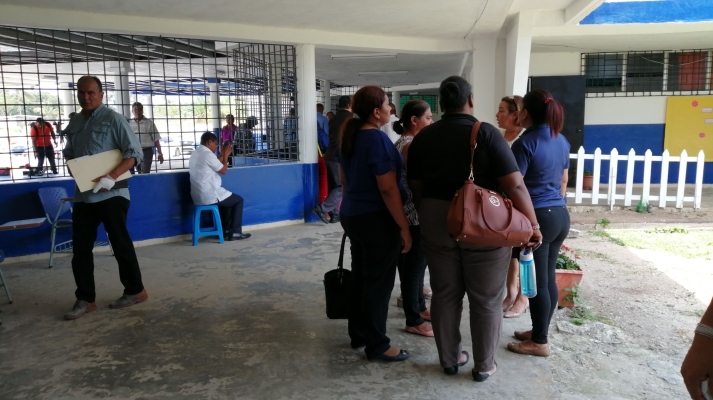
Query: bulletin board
[{"x": 689, "y": 125}]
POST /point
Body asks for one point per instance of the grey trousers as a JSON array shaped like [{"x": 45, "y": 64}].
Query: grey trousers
[
  {"x": 145, "y": 166},
  {"x": 334, "y": 198},
  {"x": 458, "y": 269}
]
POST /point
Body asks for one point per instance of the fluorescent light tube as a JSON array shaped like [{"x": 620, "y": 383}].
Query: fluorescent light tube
[
  {"x": 362, "y": 55},
  {"x": 383, "y": 73}
]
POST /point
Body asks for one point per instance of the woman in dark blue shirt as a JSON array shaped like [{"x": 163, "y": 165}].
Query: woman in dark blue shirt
[
  {"x": 542, "y": 155},
  {"x": 373, "y": 217}
]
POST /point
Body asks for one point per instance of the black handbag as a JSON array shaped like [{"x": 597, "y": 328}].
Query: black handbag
[{"x": 336, "y": 288}]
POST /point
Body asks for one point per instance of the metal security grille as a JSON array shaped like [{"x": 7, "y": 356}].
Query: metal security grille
[
  {"x": 186, "y": 87},
  {"x": 336, "y": 91},
  {"x": 662, "y": 73}
]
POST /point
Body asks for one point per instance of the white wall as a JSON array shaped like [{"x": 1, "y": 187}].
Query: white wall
[
  {"x": 555, "y": 64},
  {"x": 625, "y": 110},
  {"x": 500, "y": 60}
]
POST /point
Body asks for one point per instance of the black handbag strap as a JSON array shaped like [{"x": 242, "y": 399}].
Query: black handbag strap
[
  {"x": 473, "y": 145},
  {"x": 341, "y": 252}
]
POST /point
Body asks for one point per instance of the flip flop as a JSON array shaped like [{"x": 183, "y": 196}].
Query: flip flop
[{"x": 454, "y": 369}]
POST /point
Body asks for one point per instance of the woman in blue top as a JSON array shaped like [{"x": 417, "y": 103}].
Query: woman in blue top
[
  {"x": 542, "y": 155},
  {"x": 373, "y": 217}
]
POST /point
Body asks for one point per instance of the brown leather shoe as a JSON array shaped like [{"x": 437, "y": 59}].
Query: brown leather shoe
[
  {"x": 80, "y": 308},
  {"x": 523, "y": 335},
  {"x": 424, "y": 330},
  {"x": 128, "y": 300},
  {"x": 540, "y": 352},
  {"x": 426, "y": 315}
]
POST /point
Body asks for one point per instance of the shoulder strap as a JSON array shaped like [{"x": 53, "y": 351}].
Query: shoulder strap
[
  {"x": 473, "y": 145},
  {"x": 341, "y": 252}
]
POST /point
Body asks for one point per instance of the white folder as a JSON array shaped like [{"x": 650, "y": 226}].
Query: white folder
[{"x": 87, "y": 168}]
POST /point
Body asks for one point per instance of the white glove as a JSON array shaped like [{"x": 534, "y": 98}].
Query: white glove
[{"x": 104, "y": 183}]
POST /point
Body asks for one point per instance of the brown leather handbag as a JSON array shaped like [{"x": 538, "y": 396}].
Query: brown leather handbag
[{"x": 484, "y": 217}]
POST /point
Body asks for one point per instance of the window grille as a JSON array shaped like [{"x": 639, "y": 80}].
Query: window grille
[
  {"x": 652, "y": 73},
  {"x": 336, "y": 91},
  {"x": 186, "y": 86},
  {"x": 432, "y": 101}
]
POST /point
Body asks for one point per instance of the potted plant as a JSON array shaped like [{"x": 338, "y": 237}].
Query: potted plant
[
  {"x": 568, "y": 274},
  {"x": 588, "y": 179}
]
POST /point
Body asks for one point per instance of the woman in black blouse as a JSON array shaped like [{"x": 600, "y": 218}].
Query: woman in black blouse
[{"x": 438, "y": 164}]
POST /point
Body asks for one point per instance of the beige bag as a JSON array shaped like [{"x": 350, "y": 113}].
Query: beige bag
[{"x": 484, "y": 217}]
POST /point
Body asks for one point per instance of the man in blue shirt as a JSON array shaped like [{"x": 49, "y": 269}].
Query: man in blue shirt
[
  {"x": 322, "y": 121},
  {"x": 95, "y": 130}
]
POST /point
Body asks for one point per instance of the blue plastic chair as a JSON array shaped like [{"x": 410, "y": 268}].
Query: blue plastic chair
[
  {"x": 215, "y": 230},
  {"x": 56, "y": 203},
  {"x": 2, "y": 278}
]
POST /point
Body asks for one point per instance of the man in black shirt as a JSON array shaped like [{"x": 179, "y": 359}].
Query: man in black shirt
[{"x": 334, "y": 198}]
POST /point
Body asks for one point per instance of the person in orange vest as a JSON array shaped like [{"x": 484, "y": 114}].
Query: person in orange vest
[{"x": 41, "y": 133}]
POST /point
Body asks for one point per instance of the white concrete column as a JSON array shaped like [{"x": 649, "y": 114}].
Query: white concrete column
[
  {"x": 519, "y": 44},
  {"x": 306, "y": 100},
  {"x": 147, "y": 102},
  {"x": 327, "y": 98},
  {"x": 214, "y": 109},
  {"x": 125, "y": 95},
  {"x": 67, "y": 98},
  {"x": 396, "y": 99},
  {"x": 122, "y": 96},
  {"x": 482, "y": 79}
]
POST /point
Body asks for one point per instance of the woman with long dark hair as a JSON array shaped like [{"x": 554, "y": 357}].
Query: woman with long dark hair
[
  {"x": 373, "y": 217},
  {"x": 542, "y": 155},
  {"x": 415, "y": 116},
  {"x": 438, "y": 164}
]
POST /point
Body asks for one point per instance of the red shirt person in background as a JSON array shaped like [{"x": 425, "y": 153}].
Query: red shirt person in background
[{"x": 41, "y": 132}]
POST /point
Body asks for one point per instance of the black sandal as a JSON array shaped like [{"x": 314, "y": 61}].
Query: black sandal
[{"x": 454, "y": 369}]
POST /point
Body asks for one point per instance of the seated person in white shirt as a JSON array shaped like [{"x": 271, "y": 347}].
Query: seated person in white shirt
[{"x": 206, "y": 188}]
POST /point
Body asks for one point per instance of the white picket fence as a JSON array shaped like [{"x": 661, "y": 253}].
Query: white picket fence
[{"x": 611, "y": 196}]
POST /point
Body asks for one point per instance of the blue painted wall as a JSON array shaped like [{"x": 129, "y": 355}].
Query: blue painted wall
[
  {"x": 643, "y": 12},
  {"x": 639, "y": 137},
  {"x": 161, "y": 204}
]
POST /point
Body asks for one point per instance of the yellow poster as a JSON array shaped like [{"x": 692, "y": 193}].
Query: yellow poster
[{"x": 689, "y": 125}]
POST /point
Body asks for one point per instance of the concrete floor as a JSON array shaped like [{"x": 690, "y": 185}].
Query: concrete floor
[{"x": 240, "y": 320}]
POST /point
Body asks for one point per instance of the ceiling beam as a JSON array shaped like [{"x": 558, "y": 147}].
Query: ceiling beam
[
  {"x": 100, "y": 45},
  {"x": 578, "y": 10},
  {"x": 17, "y": 38},
  {"x": 172, "y": 44}
]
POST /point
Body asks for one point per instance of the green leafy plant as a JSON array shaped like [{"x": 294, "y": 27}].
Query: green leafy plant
[
  {"x": 588, "y": 172},
  {"x": 604, "y": 222},
  {"x": 567, "y": 259},
  {"x": 581, "y": 313},
  {"x": 667, "y": 230},
  {"x": 573, "y": 294}
]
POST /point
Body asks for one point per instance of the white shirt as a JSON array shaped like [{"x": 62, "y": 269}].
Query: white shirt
[
  {"x": 513, "y": 141},
  {"x": 205, "y": 181},
  {"x": 389, "y": 129},
  {"x": 146, "y": 131}
]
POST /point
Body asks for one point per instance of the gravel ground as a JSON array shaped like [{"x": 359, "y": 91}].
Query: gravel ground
[{"x": 648, "y": 303}]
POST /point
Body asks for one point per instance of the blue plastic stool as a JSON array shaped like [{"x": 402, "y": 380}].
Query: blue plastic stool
[{"x": 215, "y": 230}]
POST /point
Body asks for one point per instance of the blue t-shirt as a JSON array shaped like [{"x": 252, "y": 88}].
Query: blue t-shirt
[
  {"x": 373, "y": 155},
  {"x": 542, "y": 160}
]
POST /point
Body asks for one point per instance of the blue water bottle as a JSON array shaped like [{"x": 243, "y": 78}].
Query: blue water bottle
[{"x": 528, "y": 280}]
